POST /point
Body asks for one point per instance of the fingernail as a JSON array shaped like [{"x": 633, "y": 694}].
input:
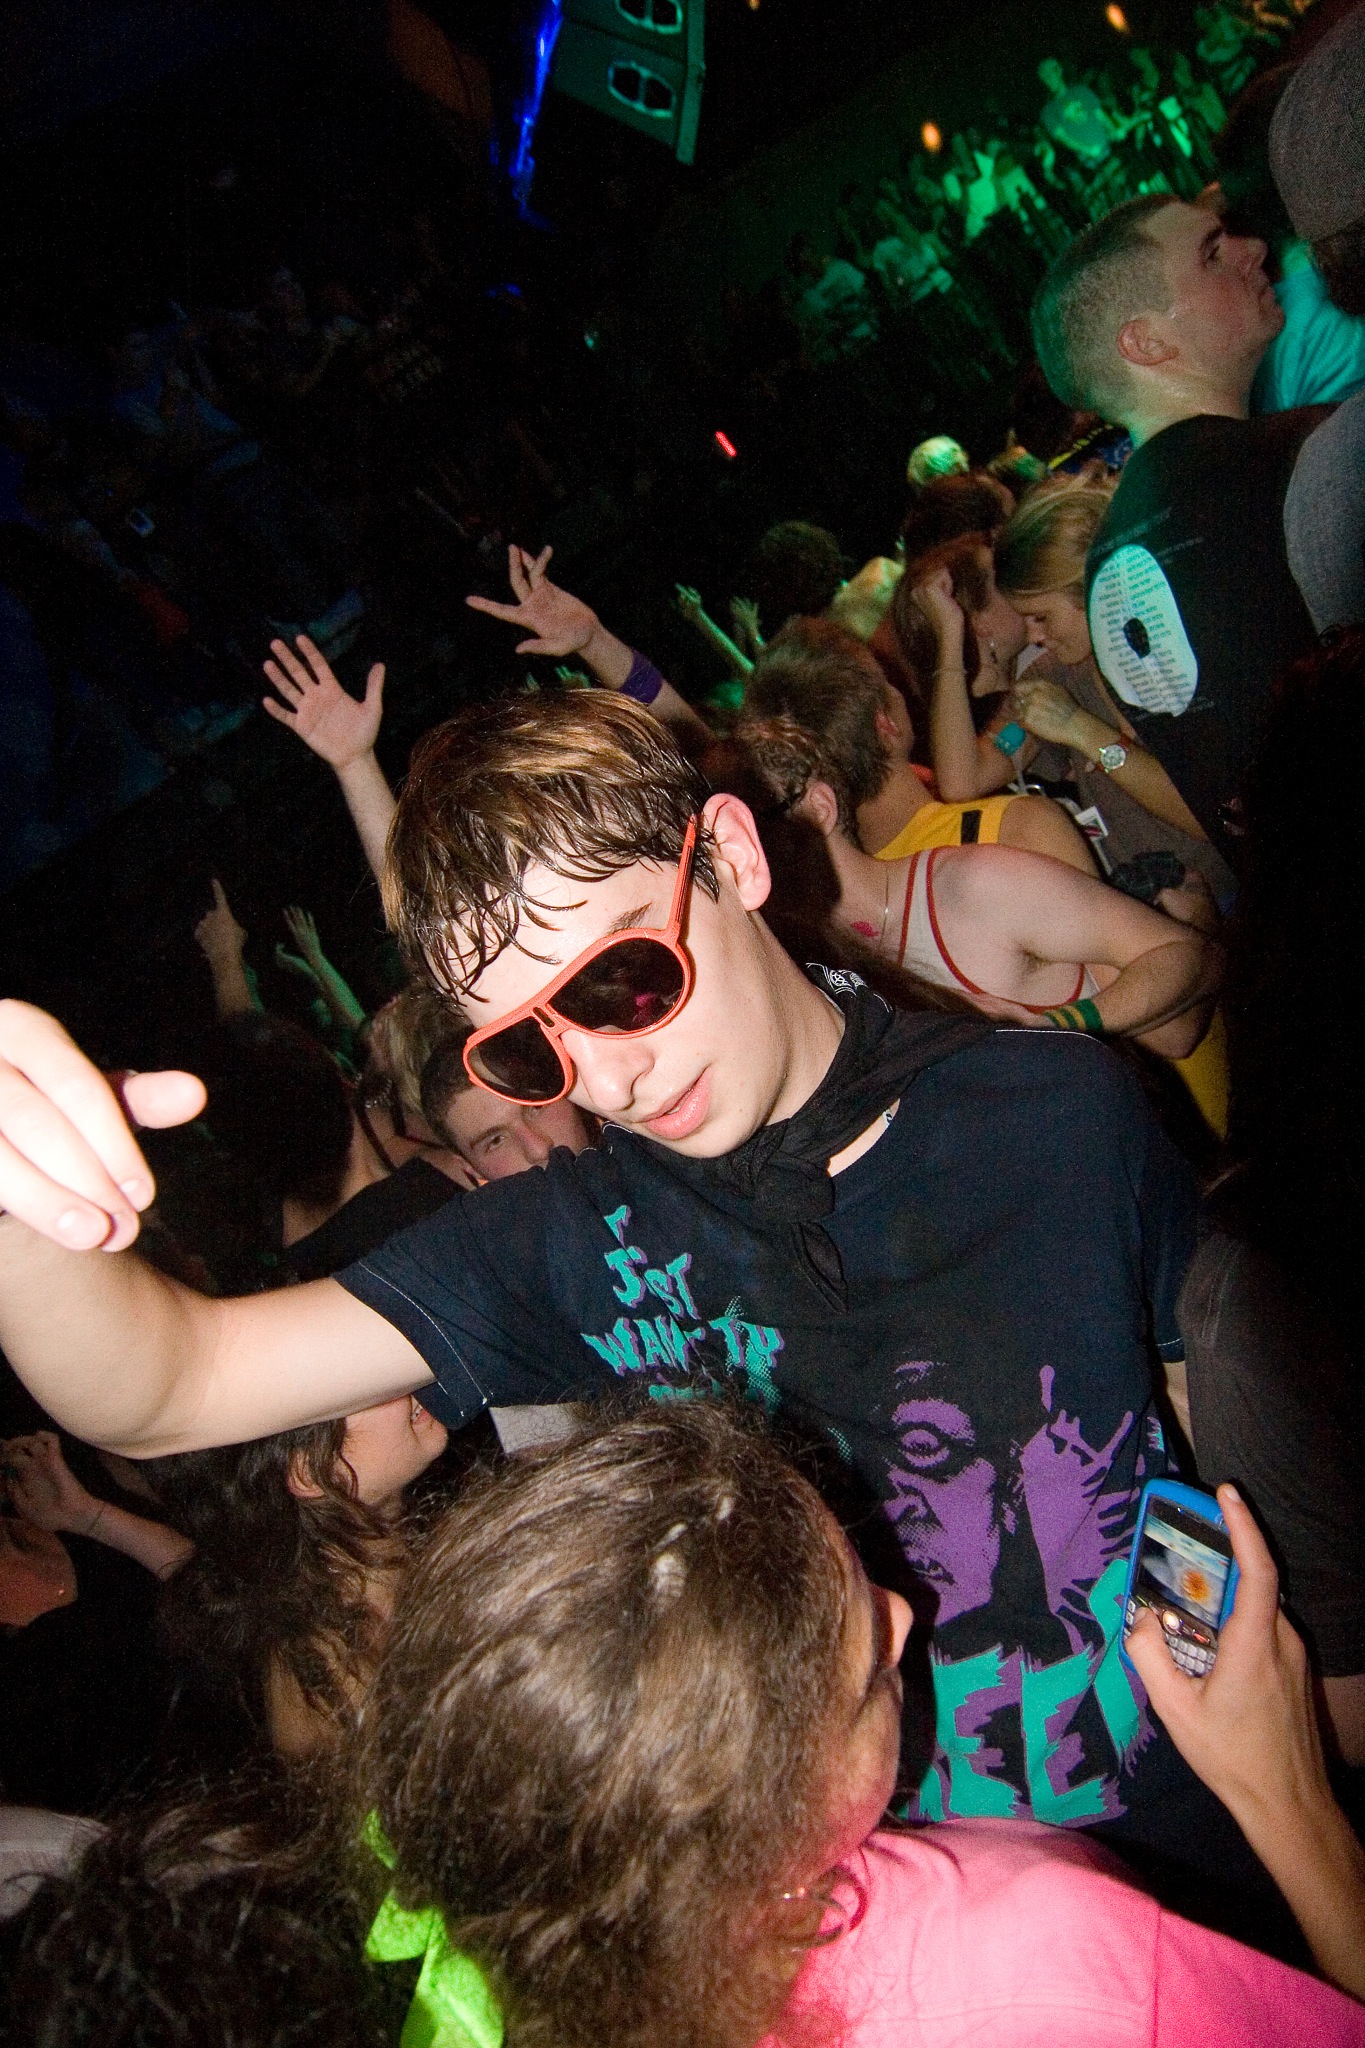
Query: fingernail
[
  {"x": 139, "y": 1190},
  {"x": 81, "y": 1230},
  {"x": 1230, "y": 1490}
]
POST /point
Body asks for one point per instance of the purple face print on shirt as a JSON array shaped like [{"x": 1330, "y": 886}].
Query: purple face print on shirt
[{"x": 950, "y": 1502}]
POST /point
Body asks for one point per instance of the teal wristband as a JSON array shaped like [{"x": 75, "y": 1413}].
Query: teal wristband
[{"x": 1010, "y": 738}]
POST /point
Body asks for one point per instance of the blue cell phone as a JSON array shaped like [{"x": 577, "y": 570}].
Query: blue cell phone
[{"x": 1182, "y": 1567}]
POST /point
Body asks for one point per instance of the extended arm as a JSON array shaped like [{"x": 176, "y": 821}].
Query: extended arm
[
  {"x": 45, "y": 1491},
  {"x": 688, "y": 602},
  {"x": 340, "y": 732},
  {"x": 1051, "y": 713},
  {"x": 1168, "y": 973},
  {"x": 1250, "y": 1732},
  {"x": 560, "y": 624},
  {"x": 114, "y": 1350},
  {"x": 310, "y": 959}
]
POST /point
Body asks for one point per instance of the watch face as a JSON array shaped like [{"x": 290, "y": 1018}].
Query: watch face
[{"x": 1112, "y": 757}]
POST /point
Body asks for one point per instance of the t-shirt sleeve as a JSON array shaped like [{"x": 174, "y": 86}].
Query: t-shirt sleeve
[
  {"x": 1214, "y": 1993},
  {"x": 1274, "y": 1408},
  {"x": 470, "y": 1289}
]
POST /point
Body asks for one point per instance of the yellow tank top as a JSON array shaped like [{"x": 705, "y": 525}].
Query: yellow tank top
[{"x": 937, "y": 824}]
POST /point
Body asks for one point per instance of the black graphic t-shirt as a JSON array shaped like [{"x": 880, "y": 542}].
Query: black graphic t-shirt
[
  {"x": 969, "y": 1314},
  {"x": 1193, "y": 610}
]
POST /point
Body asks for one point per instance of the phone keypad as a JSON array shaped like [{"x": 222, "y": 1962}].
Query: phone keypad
[{"x": 1194, "y": 1656}]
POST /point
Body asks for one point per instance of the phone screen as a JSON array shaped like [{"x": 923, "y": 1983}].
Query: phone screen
[{"x": 1182, "y": 1576}]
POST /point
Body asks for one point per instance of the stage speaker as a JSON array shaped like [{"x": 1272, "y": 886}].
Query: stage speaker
[{"x": 641, "y": 61}]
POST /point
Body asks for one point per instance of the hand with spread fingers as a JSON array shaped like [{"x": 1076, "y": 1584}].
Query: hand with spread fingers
[
  {"x": 69, "y": 1165},
  {"x": 556, "y": 622},
  {"x": 339, "y": 730}
]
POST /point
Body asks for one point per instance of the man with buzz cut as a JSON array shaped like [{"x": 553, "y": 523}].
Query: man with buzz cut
[
  {"x": 953, "y": 1249},
  {"x": 1157, "y": 318}
]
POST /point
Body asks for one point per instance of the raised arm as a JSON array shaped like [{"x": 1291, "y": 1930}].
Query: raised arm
[
  {"x": 1168, "y": 973},
  {"x": 688, "y": 602},
  {"x": 559, "y": 624},
  {"x": 115, "y": 1351},
  {"x": 966, "y": 763},
  {"x": 222, "y": 941},
  {"x": 1249, "y": 1730},
  {"x": 340, "y": 731},
  {"x": 310, "y": 960}
]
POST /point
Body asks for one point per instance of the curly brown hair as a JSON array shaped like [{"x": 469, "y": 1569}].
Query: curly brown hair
[
  {"x": 599, "y": 1740},
  {"x": 276, "y": 1582},
  {"x": 583, "y": 785}
]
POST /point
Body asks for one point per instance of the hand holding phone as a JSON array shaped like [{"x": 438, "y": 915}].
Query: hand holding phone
[
  {"x": 1247, "y": 1726},
  {"x": 1183, "y": 1570}
]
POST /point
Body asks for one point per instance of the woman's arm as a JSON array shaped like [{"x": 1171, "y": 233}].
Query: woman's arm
[
  {"x": 42, "y": 1487},
  {"x": 1051, "y": 713},
  {"x": 340, "y": 732},
  {"x": 1249, "y": 1730},
  {"x": 966, "y": 763}
]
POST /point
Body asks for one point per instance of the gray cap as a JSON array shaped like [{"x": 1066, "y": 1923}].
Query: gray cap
[{"x": 1317, "y": 137}]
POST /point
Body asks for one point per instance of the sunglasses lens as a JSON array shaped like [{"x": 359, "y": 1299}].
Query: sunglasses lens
[
  {"x": 630, "y": 987},
  {"x": 520, "y": 1063}
]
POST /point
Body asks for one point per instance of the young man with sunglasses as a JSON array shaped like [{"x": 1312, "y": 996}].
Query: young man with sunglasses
[{"x": 835, "y": 1209}]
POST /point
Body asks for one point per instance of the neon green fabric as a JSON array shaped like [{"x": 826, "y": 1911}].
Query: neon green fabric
[{"x": 452, "y": 2006}]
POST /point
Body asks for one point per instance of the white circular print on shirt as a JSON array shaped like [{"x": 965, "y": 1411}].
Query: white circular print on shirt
[{"x": 1138, "y": 634}]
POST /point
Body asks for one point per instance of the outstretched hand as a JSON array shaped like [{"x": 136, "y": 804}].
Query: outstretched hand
[
  {"x": 556, "y": 622},
  {"x": 326, "y": 718},
  {"x": 1249, "y": 1729},
  {"x": 302, "y": 928},
  {"x": 69, "y": 1165}
]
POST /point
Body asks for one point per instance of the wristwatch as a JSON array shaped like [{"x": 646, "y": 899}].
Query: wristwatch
[{"x": 1112, "y": 757}]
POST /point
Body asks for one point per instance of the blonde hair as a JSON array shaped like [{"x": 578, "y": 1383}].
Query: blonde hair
[{"x": 1043, "y": 545}]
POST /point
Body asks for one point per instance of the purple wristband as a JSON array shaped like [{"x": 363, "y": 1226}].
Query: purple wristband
[{"x": 644, "y": 681}]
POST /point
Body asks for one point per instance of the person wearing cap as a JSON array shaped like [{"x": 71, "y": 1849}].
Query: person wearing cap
[
  {"x": 1317, "y": 154},
  {"x": 1158, "y": 318}
]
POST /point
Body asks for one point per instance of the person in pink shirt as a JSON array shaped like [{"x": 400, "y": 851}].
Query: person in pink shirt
[{"x": 637, "y": 1728}]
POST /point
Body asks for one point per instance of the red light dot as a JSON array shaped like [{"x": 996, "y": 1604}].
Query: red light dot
[
  {"x": 726, "y": 445},
  {"x": 931, "y": 136}
]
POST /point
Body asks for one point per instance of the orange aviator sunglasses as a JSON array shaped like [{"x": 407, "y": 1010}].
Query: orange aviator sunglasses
[{"x": 625, "y": 984}]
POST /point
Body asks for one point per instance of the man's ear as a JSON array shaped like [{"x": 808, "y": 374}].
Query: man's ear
[
  {"x": 1142, "y": 344},
  {"x": 884, "y": 725},
  {"x": 820, "y": 806},
  {"x": 738, "y": 848}
]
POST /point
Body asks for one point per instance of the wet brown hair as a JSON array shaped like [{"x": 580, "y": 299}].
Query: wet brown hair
[
  {"x": 818, "y": 678},
  {"x": 583, "y": 785},
  {"x": 599, "y": 1739}
]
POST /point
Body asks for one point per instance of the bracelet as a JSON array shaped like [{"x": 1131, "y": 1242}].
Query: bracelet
[
  {"x": 1081, "y": 1016},
  {"x": 644, "y": 681},
  {"x": 95, "y": 1519}
]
